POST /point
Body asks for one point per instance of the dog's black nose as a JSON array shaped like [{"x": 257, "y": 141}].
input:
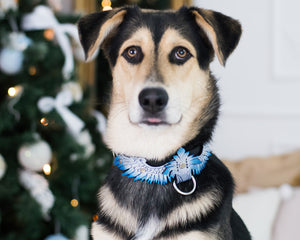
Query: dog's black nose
[{"x": 153, "y": 100}]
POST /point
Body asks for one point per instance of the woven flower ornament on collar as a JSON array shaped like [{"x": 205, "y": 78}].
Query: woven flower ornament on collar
[{"x": 182, "y": 167}]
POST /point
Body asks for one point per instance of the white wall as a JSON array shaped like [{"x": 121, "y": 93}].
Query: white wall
[{"x": 260, "y": 86}]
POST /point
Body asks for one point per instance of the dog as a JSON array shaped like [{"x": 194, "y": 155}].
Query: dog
[{"x": 165, "y": 183}]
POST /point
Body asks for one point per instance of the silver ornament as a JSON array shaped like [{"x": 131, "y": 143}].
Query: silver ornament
[
  {"x": 11, "y": 61},
  {"x": 34, "y": 156},
  {"x": 2, "y": 166}
]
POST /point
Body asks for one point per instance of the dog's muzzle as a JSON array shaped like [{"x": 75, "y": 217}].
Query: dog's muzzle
[{"x": 152, "y": 107}]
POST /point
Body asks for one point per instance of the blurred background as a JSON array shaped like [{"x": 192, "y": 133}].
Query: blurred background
[
  {"x": 260, "y": 84},
  {"x": 52, "y": 117}
]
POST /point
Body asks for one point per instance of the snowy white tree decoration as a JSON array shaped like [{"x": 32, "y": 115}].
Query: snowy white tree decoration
[
  {"x": 2, "y": 166},
  {"x": 38, "y": 188}
]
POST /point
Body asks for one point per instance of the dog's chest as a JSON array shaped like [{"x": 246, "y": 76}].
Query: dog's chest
[
  {"x": 149, "y": 230},
  {"x": 154, "y": 226},
  {"x": 145, "y": 212}
]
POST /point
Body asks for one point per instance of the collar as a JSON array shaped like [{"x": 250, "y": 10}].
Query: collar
[{"x": 181, "y": 168}]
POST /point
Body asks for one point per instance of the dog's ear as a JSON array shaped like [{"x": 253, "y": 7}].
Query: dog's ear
[
  {"x": 222, "y": 31},
  {"x": 96, "y": 27}
]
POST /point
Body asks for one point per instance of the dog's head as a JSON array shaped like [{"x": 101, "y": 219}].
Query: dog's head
[{"x": 163, "y": 94}]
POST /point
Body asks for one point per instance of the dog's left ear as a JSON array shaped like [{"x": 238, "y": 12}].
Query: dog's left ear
[
  {"x": 96, "y": 27},
  {"x": 222, "y": 31}
]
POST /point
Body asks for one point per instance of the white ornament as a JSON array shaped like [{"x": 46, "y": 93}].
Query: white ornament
[
  {"x": 11, "y": 56},
  {"x": 11, "y": 61},
  {"x": 82, "y": 233},
  {"x": 6, "y": 5},
  {"x": 18, "y": 41},
  {"x": 38, "y": 188},
  {"x": 75, "y": 90},
  {"x": 2, "y": 166},
  {"x": 56, "y": 237},
  {"x": 35, "y": 156}
]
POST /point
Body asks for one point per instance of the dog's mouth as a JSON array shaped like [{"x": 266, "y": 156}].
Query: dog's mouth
[
  {"x": 157, "y": 121},
  {"x": 154, "y": 121}
]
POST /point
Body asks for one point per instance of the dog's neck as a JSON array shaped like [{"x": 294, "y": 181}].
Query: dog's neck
[{"x": 182, "y": 167}]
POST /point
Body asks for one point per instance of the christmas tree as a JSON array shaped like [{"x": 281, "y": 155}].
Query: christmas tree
[{"x": 52, "y": 159}]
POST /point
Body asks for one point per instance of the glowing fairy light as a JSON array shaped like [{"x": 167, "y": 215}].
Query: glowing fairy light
[
  {"x": 74, "y": 203},
  {"x": 47, "y": 169},
  {"x": 32, "y": 70},
  {"x": 11, "y": 92},
  {"x": 106, "y": 4},
  {"x": 44, "y": 122},
  {"x": 14, "y": 91},
  {"x": 95, "y": 217},
  {"x": 49, "y": 34}
]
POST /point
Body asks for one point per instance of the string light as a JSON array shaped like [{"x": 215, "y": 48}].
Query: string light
[
  {"x": 11, "y": 92},
  {"x": 44, "y": 122},
  {"x": 74, "y": 202},
  {"x": 47, "y": 169},
  {"x": 14, "y": 91},
  {"x": 49, "y": 34},
  {"x": 32, "y": 70},
  {"x": 95, "y": 217},
  {"x": 106, "y": 4}
]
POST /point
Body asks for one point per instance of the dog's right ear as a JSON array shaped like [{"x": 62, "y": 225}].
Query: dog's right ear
[
  {"x": 96, "y": 27},
  {"x": 222, "y": 31}
]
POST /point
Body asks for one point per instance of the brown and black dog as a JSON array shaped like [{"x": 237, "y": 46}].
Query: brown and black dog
[{"x": 165, "y": 184}]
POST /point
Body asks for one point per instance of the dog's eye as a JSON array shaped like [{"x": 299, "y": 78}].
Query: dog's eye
[
  {"x": 179, "y": 55},
  {"x": 133, "y": 54}
]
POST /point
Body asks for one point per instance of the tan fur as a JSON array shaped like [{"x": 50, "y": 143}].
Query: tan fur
[
  {"x": 187, "y": 212},
  {"x": 195, "y": 235},
  {"x": 117, "y": 213},
  {"x": 187, "y": 86},
  {"x": 99, "y": 232},
  {"x": 265, "y": 172},
  {"x": 191, "y": 211},
  {"x": 155, "y": 10},
  {"x": 106, "y": 29},
  {"x": 210, "y": 32}
]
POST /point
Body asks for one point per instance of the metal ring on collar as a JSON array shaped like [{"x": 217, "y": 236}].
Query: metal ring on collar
[{"x": 186, "y": 193}]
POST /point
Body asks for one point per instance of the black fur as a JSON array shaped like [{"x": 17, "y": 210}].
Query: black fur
[
  {"x": 228, "y": 30},
  {"x": 158, "y": 22},
  {"x": 143, "y": 199}
]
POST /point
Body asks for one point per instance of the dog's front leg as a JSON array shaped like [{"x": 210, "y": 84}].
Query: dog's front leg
[{"x": 100, "y": 233}]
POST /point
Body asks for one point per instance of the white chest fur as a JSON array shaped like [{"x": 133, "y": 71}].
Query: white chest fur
[{"x": 149, "y": 230}]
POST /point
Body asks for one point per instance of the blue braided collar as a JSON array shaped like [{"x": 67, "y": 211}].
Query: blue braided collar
[{"x": 183, "y": 166}]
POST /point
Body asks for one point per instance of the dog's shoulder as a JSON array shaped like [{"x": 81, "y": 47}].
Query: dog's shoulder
[{"x": 219, "y": 177}]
